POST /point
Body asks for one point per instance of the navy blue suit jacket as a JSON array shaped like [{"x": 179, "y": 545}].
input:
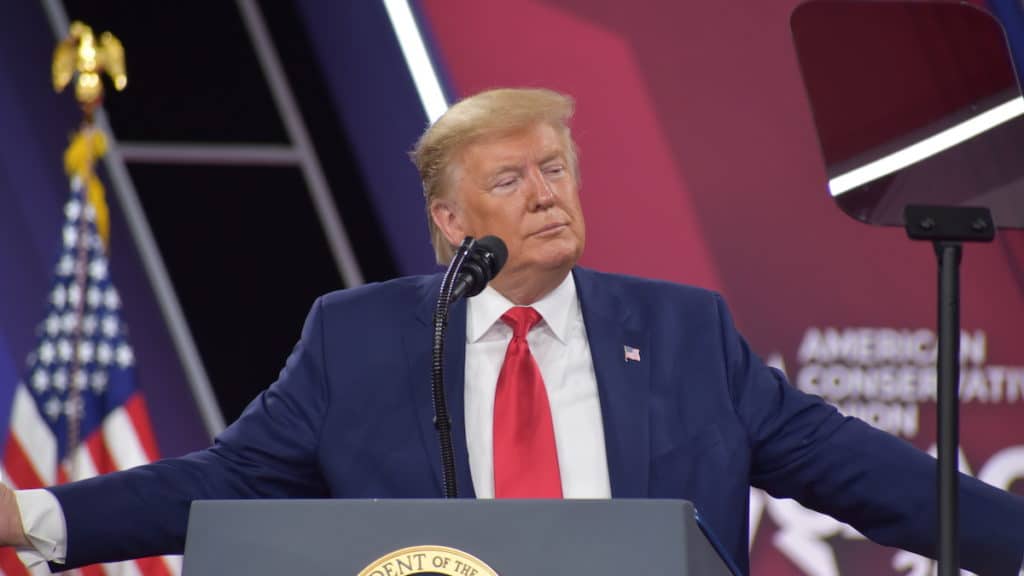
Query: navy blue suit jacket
[{"x": 699, "y": 417}]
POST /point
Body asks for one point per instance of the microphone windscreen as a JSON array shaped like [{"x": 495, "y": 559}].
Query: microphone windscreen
[{"x": 496, "y": 247}]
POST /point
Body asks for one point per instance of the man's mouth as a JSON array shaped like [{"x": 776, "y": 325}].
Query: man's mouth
[{"x": 550, "y": 229}]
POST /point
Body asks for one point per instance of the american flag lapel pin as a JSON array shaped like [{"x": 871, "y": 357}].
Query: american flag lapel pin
[{"x": 632, "y": 354}]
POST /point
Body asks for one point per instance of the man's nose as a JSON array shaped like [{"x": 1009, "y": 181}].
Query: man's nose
[{"x": 541, "y": 190}]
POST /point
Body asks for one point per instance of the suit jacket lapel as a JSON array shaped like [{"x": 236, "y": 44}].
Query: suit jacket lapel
[
  {"x": 418, "y": 343},
  {"x": 623, "y": 384}
]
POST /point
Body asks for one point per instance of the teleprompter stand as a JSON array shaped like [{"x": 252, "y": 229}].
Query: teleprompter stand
[
  {"x": 513, "y": 537},
  {"x": 947, "y": 228}
]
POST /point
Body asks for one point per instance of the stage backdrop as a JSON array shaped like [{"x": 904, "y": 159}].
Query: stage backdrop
[{"x": 700, "y": 166}]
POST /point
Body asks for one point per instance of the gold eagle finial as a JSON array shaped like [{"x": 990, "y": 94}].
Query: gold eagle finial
[
  {"x": 81, "y": 54},
  {"x": 79, "y": 58}
]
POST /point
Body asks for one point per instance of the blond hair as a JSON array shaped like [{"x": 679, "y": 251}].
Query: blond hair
[{"x": 487, "y": 114}]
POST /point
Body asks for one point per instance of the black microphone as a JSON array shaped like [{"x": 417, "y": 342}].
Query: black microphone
[{"x": 484, "y": 260}]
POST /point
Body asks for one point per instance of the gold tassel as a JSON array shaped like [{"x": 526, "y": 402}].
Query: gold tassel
[{"x": 87, "y": 146}]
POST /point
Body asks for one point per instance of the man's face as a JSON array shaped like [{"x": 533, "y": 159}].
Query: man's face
[{"x": 521, "y": 188}]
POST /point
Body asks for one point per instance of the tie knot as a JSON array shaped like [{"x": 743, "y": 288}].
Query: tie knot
[{"x": 521, "y": 319}]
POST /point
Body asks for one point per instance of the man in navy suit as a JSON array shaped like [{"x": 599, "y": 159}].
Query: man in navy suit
[{"x": 649, "y": 390}]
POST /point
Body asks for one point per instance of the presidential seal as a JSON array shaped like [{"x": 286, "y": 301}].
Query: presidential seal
[{"x": 428, "y": 560}]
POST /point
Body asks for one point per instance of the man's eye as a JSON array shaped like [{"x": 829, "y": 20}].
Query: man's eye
[
  {"x": 555, "y": 169},
  {"x": 505, "y": 183}
]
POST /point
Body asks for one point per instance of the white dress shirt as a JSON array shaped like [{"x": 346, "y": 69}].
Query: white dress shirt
[
  {"x": 44, "y": 524},
  {"x": 558, "y": 343},
  {"x": 560, "y": 346}
]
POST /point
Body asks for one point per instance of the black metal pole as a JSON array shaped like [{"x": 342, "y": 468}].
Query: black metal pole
[{"x": 948, "y": 254}]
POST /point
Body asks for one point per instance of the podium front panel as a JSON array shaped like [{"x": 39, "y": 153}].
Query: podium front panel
[{"x": 513, "y": 537}]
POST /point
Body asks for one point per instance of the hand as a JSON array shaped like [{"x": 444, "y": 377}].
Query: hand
[{"x": 12, "y": 533}]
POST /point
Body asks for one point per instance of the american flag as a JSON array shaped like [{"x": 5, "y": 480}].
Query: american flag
[
  {"x": 632, "y": 354},
  {"x": 77, "y": 412}
]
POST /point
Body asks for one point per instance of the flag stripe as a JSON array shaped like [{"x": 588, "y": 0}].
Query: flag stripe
[
  {"x": 17, "y": 466},
  {"x": 84, "y": 464},
  {"x": 101, "y": 460},
  {"x": 153, "y": 566},
  {"x": 126, "y": 568},
  {"x": 10, "y": 564},
  {"x": 173, "y": 564},
  {"x": 28, "y": 425},
  {"x": 136, "y": 408},
  {"x": 93, "y": 570},
  {"x": 121, "y": 441}
]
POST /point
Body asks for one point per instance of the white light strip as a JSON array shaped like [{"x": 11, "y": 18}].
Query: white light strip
[
  {"x": 930, "y": 146},
  {"x": 417, "y": 59}
]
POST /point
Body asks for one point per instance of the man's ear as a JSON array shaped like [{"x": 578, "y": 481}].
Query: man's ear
[{"x": 447, "y": 219}]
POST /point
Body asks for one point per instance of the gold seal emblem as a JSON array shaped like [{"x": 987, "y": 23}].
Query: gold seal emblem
[{"x": 428, "y": 560}]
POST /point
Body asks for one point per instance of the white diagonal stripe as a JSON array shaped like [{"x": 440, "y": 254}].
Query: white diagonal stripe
[
  {"x": 82, "y": 466},
  {"x": 417, "y": 58},
  {"x": 126, "y": 568},
  {"x": 927, "y": 147},
  {"x": 173, "y": 564},
  {"x": 122, "y": 441},
  {"x": 34, "y": 434}
]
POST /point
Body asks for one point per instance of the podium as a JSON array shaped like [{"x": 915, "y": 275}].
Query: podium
[{"x": 464, "y": 537}]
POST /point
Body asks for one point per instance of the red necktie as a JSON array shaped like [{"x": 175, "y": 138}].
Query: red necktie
[{"x": 525, "y": 458}]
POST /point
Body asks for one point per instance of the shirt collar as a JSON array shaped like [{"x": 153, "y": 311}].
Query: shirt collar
[{"x": 556, "y": 308}]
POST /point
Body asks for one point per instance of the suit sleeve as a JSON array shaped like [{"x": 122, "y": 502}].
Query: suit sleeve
[
  {"x": 269, "y": 452},
  {"x": 803, "y": 448}
]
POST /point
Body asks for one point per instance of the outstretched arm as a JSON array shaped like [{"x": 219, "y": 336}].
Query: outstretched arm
[
  {"x": 804, "y": 449},
  {"x": 271, "y": 451}
]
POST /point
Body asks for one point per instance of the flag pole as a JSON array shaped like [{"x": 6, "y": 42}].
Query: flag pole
[{"x": 80, "y": 59}]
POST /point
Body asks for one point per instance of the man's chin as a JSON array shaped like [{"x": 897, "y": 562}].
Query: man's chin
[
  {"x": 560, "y": 261},
  {"x": 545, "y": 264},
  {"x": 555, "y": 248}
]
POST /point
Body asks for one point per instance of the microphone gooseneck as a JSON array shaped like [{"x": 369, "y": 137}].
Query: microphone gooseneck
[{"x": 475, "y": 263}]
